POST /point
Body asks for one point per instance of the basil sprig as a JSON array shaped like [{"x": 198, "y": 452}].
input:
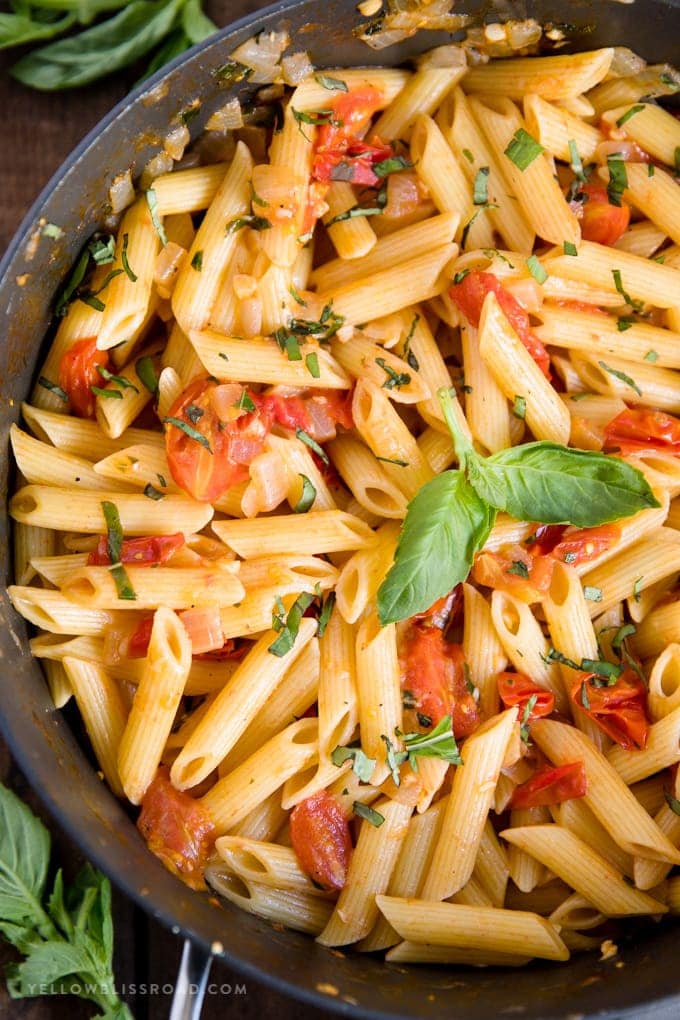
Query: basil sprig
[{"x": 450, "y": 518}]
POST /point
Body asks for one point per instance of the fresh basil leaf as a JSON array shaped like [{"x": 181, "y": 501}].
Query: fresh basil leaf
[
  {"x": 19, "y": 28},
  {"x": 446, "y": 524},
  {"x": 289, "y": 630},
  {"x": 362, "y": 765},
  {"x": 438, "y": 743},
  {"x": 557, "y": 485},
  {"x": 99, "y": 51},
  {"x": 24, "y": 859},
  {"x": 195, "y": 23}
]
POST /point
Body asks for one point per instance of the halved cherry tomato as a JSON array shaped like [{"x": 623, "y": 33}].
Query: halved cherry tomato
[
  {"x": 321, "y": 839},
  {"x": 206, "y": 467},
  {"x": 352, "y": 113},
  {"x": 601, "y": 221},
  {"x": 317, "y": 414},
  {"x": 177, "y": 829},
  {"x": 140, "y": 552},
  {"x": 580, "y": 545},
  {"x": 354, "y": 164},
  {"x": 643, "y": 429},
  {"x": 515, "y": 570},
  {"x": 78, "y": 372},
  {"x": 469, "y": 296},
  {"x": 551, "y": 785},
  {"x": 518, "y": 689},
  {"x": 433, "y": 671},
  {"x": 619, "y": 710},
  {"x": 544, "y": 539}
]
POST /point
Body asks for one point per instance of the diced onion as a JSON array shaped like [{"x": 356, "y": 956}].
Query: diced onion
[
  {"x": 204, "y": 627},
  {"x": 159, "y": 164},
  {"x": 225, "y": 399},
  {"x": 625, "y": 63},
  {"x": 176, "y": 141},
  {"x": 169, "y": 261},
  {"x": 296, "y": 68},
  {"x": 262, "y": 54},
  {"x": 444, "y": 56},
  {"x": 228, "y": 117},
  {"x": 268, "y": 487},
  {"x": 121, "y": 192}
]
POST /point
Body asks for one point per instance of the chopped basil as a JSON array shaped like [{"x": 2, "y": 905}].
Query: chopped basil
[
  {"x": 394, "y": 759},
  {"x": 109, "y": 394},
  {"x": 306, "y": 500},
  {"x": 618, "y": 179},
  {"x": 90, "y": 297},
  {"x": 289, "y": 630},
  {"x": 600, "y": 667},
  {"x": 103, "y": 252},
  {"x": 124, "y": 259},
  {"x": 250, "y": 220},
  {"x": 305, "y": 438},
  {"x": 569, "y": 557},
  {"x": 650, "y": 169},
  {"x": 470, "y": 222},
  {"x": 637, "y": 589},
  {"x": 480, "y": 187},
  {"x": 468, "y": 155},
  {"x": 288, "y": 343},
  {"x": 327, "y": 607},
  {"x": 624, "y": 322},
  {"x": 114, "y": 548},
  {"x": 576, "y": 162},
  {"x": 438, "y": 743},
  {"x": 244, "y": 402},
  {"x": 536, "y": 269},
  {"x": 194, "y": 413},
  {"x": 411, "y": 359},
  {"x": 391, "y": 460},
  {"x": 651, "y": 356},
  {"x": 296, "y": 296},
  {"x": 668, "y": 79},
  {"x": 316, "y": 117},
  {"x": 494, "y": 253},
  {"x": 676, "y": 160},
  {"x": 362, "y": 765},
  {"x": 52, "y": 387},
  {"x": 459, "y": 277},
  {"x": 221, "y": 354},
  {"x": 152, "y": 493},
  {"x": 361, "y": 210},
  {"x": 519, "y": 407},
  {"x": 197, "y": 261},
  {"x": 526, "y": 715},
  {"x": 327, "y": 326},
  {"x": 395, "y": 380},
  {"x": 152, "y": 202},
  {"x": 188, "y": 431},
  {"x": 622, "y": 376},
  {"x": 391, "y": 166},
  {"x": 52, "y": 230},
  {"x": 312, "y": 363},
  {"x": 233, "y": 72},
  {"x": 570, "y": 248},
  {"x": 585, "y": 701},
  {"x": 519, "y": 568},
  {"x": 673, "y": 803},
  {"x": 638, "y": 108},
  {"x": 622, "y": 633},
  {"x": 368, "y": 813},
  {"x": 190, "y": 113},
  {"x": 636, "y": 305},
  {"x": 161, "y": 480},
  {"x": 146, "y": 373},
  {"x": 523, "y": 149},
  {"x": 124, "y": 383},
  {"x": 592, "y": 594},
  {"x": 332, "y": 84},
  {"x": 68, "y": 294}
]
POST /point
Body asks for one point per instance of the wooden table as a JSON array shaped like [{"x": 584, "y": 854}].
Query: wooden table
[{"x": 39, "y": 131}]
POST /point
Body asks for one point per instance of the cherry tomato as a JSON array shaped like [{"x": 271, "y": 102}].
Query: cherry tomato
[
  {"x": 138, "y": 642},
  {"x": 514, "y": 570},
  {"x": 316, "y": 414},
  {"x": 433, "y": 671},
  {"x": 212, "y": 454},
  {"x": 602, "y": 221},
  {"x": 321, "y": 839},
  {"x": 619, "y": 710},
  {"x": 354, "y": 164},
  {"x": 469, "y": 296},
  {"x": 545, "y": 538},
  {"x": 551, "y": 785},
  {"x": 352, "y": 113},
  {"x": 643, "y": 429},
  {"x": 78, "y": 372},
  {"x": 140, "y": 552},
  {"x": 580, "y": 545},
  {"x": 518, "y": 689},
  {"x": 177, "y": 829}
]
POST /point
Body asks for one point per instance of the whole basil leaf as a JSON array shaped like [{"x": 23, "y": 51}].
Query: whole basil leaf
[
  {"x": 18, "y": 29},
  {"x": 197, "y": 25},
  {"x": 558, "y": 485},
  {"x": 24, "y": 859},
  {"x": 100, "y": 50},
  {"x": 446, "y": 524}
]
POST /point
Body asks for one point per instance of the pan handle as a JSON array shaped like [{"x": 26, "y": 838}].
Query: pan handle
[{"x": 192, "y": 979}]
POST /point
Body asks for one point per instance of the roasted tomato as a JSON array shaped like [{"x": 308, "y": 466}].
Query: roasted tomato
[
  {"x": 515, "y": 570},
  {"x": 580, "y": 545},
  {"x": 78, "y": 373},
  {"x": 138, "y": 642},
  {"x": 433, "y": 672},
  {"x": 643, "y": 429},
  {"x": 354, "y": 164},
  {"x": 212, "y": 436},
  {"x": 601, "y": 221},
  {"x": 177, "y": 829},
  {"x": 444, "y": 611},
  {"x": 518, "y": 689},
  {"x": 619, "y": 709},
  {"x": 321, "y": 839},
  {"x": 139, "y": 552},
  {"x": 469, "y": 296},
  {"x": 551, "y": 785}
]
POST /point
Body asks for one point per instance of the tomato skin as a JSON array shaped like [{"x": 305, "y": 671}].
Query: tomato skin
[
  {"x": 469, "y": 297},
  {"x": 551, "y": 785},
  {"x": 177, "y": 829},
  {"x": 139, "y": 552},
  {"x": 204, "y": 473},
  {"x": 78, "y": 372},
  {"x": 354, "y": 164},
  {"x": 601, "y": 221},
  {"x": 518, "y": 688},
  {"x": 584, "y": 544},
  {"x": 444, "y": 611},
  {"x": 320, "y": 836},
  {"x": 352, "y": 113},
  {"x": 433, "y": 671},
  {"x": 138, "y": 642},
  {"x": 619, "y": 710},
  {"x": 339, "y": 152},
  {"x": 643, "y": 429}
]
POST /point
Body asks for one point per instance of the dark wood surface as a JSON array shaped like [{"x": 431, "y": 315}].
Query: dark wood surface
[{"x": 39, "y": 131}]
